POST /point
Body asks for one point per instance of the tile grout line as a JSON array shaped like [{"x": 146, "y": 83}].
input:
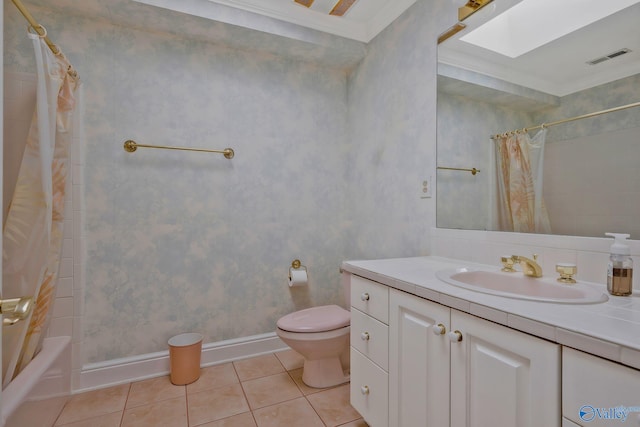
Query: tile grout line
[
  {"x": 186, "y": 398},
  {"x": 244, "y": 393},
  {"x": 126, "y": 400}
]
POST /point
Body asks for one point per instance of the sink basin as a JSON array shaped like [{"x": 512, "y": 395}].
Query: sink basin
[{"x": 517, "y": 285}]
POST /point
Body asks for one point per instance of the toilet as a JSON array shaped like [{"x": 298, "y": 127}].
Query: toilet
[{"x": 321, "y": 336}]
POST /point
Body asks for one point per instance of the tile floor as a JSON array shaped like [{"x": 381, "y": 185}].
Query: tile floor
[{"x": 264, "y": 391}]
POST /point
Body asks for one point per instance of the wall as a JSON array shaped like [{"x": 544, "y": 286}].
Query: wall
[
  {"x": 195, "y": 242},
  {"x": 464, "y": 128},
  {"x": 328, "y": 167},
  {"x": 592, "y": 178},
  {"x": 392, "y": 115}
]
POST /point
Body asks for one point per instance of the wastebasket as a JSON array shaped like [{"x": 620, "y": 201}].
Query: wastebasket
[{"x": 184, "y": 357}]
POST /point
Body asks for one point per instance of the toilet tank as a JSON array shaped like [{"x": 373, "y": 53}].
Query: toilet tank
[{"x": 346, "y": 288}]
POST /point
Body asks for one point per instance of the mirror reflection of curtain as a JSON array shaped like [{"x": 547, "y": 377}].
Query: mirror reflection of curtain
[{"x": 517, "y": 202}]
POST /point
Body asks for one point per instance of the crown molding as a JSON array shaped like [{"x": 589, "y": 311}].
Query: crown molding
[{"x": 362, "y": 27}]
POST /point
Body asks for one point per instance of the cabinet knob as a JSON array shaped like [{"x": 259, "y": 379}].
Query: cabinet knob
[
  {"x": 365, "y": 336},
  {"x": 364, "y": 296},
  {"x": 364, "y": 390},
  {"x": 455, "y": 336},
  {"x": 439, "y": 329}
]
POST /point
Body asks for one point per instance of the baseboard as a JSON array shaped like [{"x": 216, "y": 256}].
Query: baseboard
[{"x": 120, "y": 371}]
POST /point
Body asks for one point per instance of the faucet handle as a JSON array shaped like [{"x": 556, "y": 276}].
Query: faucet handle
[
  {"x": 566, "y": 272},
  {"x": 507, "y": 263}
]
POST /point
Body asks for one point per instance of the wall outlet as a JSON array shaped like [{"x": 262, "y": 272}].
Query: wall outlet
[{"x": 426, "y": 188}]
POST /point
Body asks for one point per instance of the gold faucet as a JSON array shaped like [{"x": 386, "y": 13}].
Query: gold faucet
[
  {"x": 507, "y": 264},
  {"x": 529, "y": 266}
]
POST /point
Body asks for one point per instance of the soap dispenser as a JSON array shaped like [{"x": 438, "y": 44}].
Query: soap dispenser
[{"x": 620, "y": 269}]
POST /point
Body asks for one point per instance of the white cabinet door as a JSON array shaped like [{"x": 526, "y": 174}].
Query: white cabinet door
[
  {"x": 500, "y": 377},
  {"x": 418, "y": 362},
  {"x": 597, "y": 392}
]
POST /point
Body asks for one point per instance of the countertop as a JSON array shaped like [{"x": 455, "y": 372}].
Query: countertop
[{"x": 610, "y": 330}]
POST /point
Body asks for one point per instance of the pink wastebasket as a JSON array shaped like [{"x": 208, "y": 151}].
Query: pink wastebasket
[{"x": 184, "y": 357}]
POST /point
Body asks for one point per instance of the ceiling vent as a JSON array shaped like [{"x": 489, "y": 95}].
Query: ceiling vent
[{"x": 612, "y": 55}]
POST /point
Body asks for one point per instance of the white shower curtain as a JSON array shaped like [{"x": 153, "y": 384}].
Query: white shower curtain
[
  {"x": 32, "y": 233},
  {"x": 516, "y": 194}
]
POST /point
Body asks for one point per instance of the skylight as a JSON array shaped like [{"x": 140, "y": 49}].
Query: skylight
[{"x": 533, "y": 23}]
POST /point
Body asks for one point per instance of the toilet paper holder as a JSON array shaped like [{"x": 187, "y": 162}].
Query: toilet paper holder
[{"x": 296, "y": 265}]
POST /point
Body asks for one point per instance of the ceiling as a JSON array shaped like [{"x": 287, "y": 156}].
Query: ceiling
[
  {"x": 560, "y": 67},
  {"x": 289, "y": 28},
  {"x": 362, "y": 21}
]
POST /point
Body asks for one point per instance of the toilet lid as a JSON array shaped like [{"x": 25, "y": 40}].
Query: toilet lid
[{"x": 316, "y": 319}]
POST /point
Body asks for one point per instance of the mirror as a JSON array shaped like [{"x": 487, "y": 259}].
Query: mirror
[{"x": 591, "y": 167}]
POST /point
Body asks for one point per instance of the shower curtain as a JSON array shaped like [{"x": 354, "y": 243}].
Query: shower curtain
[
  {"x": 518, "y": 204},
  {"x": 32, "y": 233}
]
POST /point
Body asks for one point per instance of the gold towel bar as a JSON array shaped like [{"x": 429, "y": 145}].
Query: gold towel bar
[
  {"x": 131, "y": 146},
  {"x": 472, "y": 170}
]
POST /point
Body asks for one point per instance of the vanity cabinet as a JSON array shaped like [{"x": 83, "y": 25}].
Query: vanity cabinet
[
  {"x": 450, "y": 368},
  {"x": 502, "y": 377},
  {"x": 369, "y": 390},
  {"x": 596, "y": 392},
  {"x": 419, "y": 361}
]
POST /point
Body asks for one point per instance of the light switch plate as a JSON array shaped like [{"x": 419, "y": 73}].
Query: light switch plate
[{"x": 426, "y": 188}]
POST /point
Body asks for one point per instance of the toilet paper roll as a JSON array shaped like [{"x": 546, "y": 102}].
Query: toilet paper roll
[{"x": 297, "y": 277}]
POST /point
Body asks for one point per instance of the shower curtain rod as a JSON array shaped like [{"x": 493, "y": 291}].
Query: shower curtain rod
[
  {"x": 42, "y": 32},
  {"x": 559, "y": 122}
]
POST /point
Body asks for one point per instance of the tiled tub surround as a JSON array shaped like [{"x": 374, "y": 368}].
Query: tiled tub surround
[{"x": 608, "y": 330}]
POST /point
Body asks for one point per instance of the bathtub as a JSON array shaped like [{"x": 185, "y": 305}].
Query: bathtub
[{"x": 38, "y": 394}]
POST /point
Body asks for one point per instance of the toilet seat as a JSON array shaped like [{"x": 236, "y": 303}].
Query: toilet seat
[{"x": 316, "y": 319}]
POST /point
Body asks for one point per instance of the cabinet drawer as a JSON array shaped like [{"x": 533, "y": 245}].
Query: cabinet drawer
[
  {"x": 592, "y": 388},
  {"x": 370, "y": 297},
  {"x": 369, "y": 390},
  {"x": 370, "y": 337}
]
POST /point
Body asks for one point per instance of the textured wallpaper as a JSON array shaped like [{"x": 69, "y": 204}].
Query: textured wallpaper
[
  {"x": 592, "y": 178},
  {"x": 328, "y": 167},
  {"x": 182, "y": 241},
  {"x": 464, "y": 128},
  {"x": 392, "y": 113}
]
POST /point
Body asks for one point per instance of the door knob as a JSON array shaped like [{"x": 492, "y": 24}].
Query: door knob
[
  {"x": 455, "y": 336},
  {"x": 439, "y": 329},
  {"x": 15, "y": 309},
  {"x": 365, "y": 336}
]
